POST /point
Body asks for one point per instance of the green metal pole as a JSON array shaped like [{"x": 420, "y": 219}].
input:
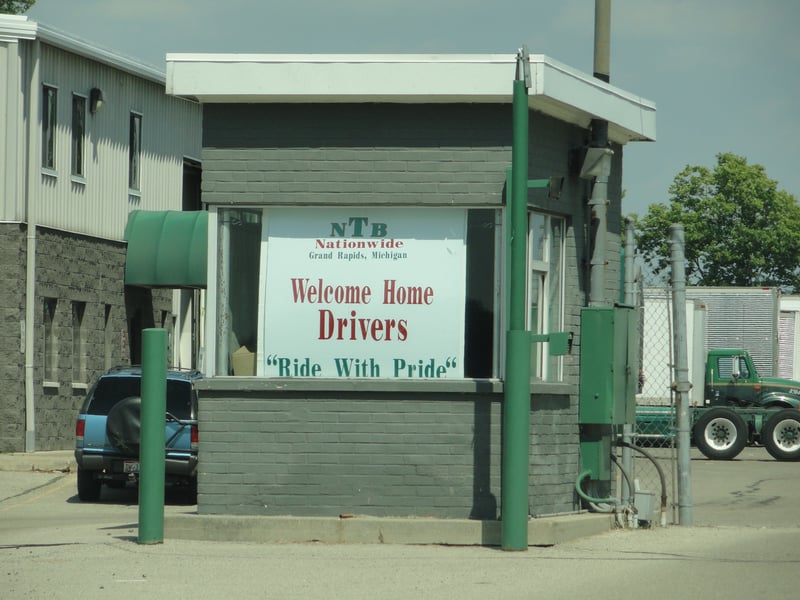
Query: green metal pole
[
  {"x": 151, "y": 453},
  {"x": 516, "y": 413}
]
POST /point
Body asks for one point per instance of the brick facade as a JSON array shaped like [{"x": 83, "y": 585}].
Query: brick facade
[{"x": 70, "y": 268}]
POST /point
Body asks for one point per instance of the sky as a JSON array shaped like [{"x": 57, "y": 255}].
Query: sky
[{"x": 724, "y": 74}]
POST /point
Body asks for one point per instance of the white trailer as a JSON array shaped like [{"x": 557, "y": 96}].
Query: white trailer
[{"x": 716, "y": 317}]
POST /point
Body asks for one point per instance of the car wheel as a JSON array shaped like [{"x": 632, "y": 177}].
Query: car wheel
[
  {"x": 88, "y": 486},
  {"x": 720, "y": 434},
  {"x": 781, "y": 435},
  {"x": 123, "y": 425}
]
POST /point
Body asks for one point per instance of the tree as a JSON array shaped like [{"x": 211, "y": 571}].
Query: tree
[
  {"x": 740, "y": 229},
  {"x": 15, "y": 7}
]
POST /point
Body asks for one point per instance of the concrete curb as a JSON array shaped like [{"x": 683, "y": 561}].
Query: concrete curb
[
  {"x": 56, "y": 460},
  {"x": 546, "y": 531}
]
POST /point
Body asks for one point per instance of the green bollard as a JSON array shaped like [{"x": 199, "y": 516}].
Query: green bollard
[{"x": 153, "y": 441}]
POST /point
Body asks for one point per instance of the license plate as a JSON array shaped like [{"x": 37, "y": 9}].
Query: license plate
[{"x": 130, "y": 467}]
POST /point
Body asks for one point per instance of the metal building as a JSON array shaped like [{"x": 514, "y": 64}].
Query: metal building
[{"x": 89, "y": 138}]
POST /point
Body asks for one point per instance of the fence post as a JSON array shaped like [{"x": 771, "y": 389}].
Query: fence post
[{"x": 682, "y": 385}]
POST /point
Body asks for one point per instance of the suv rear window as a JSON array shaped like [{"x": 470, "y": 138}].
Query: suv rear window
[{"x": 110, "y": 390}]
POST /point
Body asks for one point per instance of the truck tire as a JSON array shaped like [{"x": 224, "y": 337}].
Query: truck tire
[
  {"x": 781, "y": 435},
  {"x": 123, "y": 425},
  {"x": 88, "y": 486},
  {"x": 720, "y": 434}
]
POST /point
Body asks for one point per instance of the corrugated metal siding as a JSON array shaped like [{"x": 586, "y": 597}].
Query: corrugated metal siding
[
  {"x": 786, "y": 344},
  {"x": 12, "y": 134},
  {"x": 742, "y": 318},
  {"x": 171, "y": 130}
]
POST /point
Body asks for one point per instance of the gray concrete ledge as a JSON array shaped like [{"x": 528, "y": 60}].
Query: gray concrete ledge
[
  {"x": 546, "y": 531},
  {"x": 56, "y": 460}
]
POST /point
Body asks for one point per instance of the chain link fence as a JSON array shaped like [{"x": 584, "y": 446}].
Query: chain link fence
[{"x": 653, "y": 460}]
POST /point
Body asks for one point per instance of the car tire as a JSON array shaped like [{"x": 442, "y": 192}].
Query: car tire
[
  {"x": 88, "y": 486},
  {"x": 781, "y": 435},
  {"x": 720, "y": 434},
  {"x": 123, "y": 425}
]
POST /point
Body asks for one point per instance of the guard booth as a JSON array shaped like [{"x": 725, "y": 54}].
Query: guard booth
[{"x": 357, "y": 260}]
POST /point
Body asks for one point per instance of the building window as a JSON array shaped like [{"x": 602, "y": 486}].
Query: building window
[
  {"x": 78, "y": 134},
  {"x": 135, "y": 152},
  {"x": 50, "y": 340},
  {"x": 78, "y": 343},
  {"x": 546, "y": 290},
  {"x": 372, "y": 292},
  {"x": 49, "y": 120}
]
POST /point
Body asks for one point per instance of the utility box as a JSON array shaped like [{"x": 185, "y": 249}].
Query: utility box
[{"x": 609, "y": 365}]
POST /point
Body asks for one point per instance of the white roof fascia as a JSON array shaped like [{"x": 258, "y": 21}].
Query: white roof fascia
[
  {"x": 557, "y": 90},
  {"x": 15, "y": 27}
]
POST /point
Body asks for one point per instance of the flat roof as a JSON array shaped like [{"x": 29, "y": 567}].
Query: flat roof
[{"x": 556, "y": 89}]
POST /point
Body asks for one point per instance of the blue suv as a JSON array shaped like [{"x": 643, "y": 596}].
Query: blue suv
[{"x": 107, "y": 432}]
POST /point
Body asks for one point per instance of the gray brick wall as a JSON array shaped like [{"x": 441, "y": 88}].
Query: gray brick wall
[
  {"x": 298, "y": 456},
  {"x": 69, "y": 268},
  {"x": 435, "y": 455},
  {"x": 12, "y": 357}
]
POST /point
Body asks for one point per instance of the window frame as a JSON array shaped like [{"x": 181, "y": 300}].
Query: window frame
[{"x": 546, "y": 291}]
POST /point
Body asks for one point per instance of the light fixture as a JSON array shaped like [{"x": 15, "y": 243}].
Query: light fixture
[{"x": 96, "y": 100}]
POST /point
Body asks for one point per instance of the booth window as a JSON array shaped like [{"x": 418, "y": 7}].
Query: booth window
[
  {"x": 241, "y": 286},
  {"x": 239, "y": 238},
  {"x": 546, "y": 290}
]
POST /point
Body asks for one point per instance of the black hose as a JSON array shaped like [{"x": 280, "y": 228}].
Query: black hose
[
  {"x": 649, "y": 457},
  {"x": 631, "y": 488}
]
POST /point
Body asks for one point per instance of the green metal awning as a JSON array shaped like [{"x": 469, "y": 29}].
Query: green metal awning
[{"x": 167, "y": 249}]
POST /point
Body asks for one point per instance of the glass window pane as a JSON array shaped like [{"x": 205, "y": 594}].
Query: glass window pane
[
  {"x": 49, "y": 115},
  {"x": 135, "y": 150},
  {"x": 238, "y": 281},
  {"x": 78, "y": 133},
  {"x": 538, "y": 236}
]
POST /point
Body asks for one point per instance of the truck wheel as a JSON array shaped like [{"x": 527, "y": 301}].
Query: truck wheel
[
  {"x": 720, "y": 434},
  {"x": 781, "y": 435},
  {"x": 88, "y": 486}
]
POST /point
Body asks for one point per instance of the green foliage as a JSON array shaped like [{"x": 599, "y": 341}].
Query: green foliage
[
  {"x": 740, "y": 229},
  {"x": 15, "y": 7}
]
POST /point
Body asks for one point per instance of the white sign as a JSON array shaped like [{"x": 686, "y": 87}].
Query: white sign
[{"x": 363, "y": 293}]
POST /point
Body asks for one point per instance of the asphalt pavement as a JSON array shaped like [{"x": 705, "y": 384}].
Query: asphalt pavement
[{"x": 92, "y": 551}]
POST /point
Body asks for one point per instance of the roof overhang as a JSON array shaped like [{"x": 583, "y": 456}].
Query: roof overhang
[
  {"x": 15, "y": 28},
  {"x": 557, "y": 90},
  {"x": 167, "y": 249}
]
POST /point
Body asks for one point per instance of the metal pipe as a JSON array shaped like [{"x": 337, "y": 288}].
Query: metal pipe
[
  {"x": 682, "y": 385},
  {"x": 34, "y": 152},
  {"x": 516, "y": 409},
  {"x": 598, "y": 203},
  {"x": 629, "y": 299},
  {"x": 660, "y": 471},
  {"x": 602, "y": 39}
]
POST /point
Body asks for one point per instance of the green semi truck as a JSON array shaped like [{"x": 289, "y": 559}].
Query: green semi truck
[{"x": 740, "y": 408}]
